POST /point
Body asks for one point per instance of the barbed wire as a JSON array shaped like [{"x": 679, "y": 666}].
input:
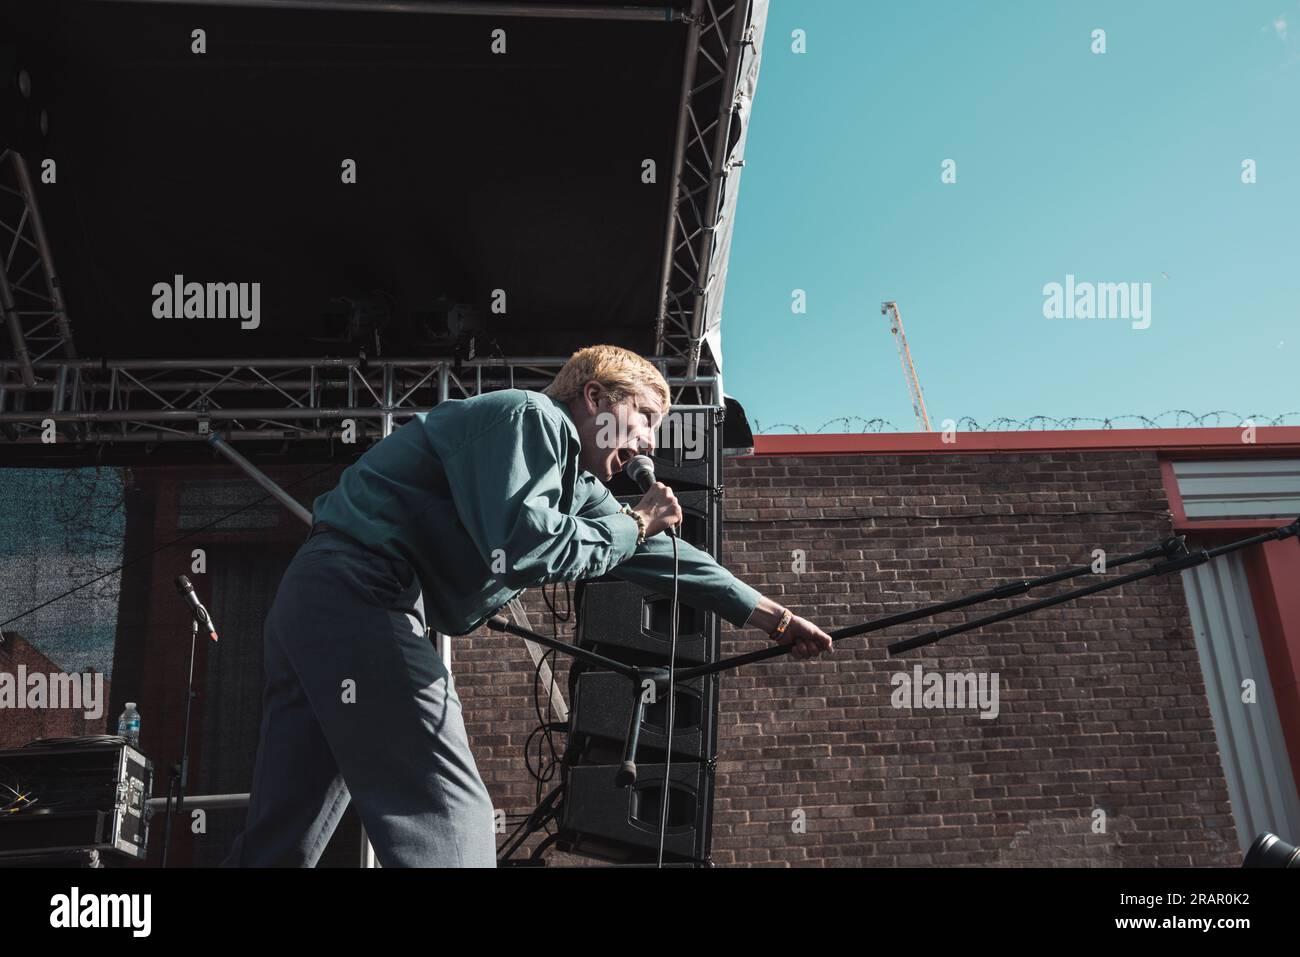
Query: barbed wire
[{"x": 1182, "y": 419}]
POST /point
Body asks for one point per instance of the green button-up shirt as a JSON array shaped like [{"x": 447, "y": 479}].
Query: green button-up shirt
[{"x": 485, "y": 497}]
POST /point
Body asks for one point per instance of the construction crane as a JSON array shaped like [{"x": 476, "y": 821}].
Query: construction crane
[{"x": 889, "y": 309}]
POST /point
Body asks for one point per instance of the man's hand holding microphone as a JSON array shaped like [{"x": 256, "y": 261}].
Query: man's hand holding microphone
[{"x": 659, "y": 508}]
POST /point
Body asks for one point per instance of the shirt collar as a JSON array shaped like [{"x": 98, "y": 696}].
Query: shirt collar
[{"x": 567, "y": 415}]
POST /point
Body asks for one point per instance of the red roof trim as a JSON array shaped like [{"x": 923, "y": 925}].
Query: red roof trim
[{"x": 1274, "y": 440}]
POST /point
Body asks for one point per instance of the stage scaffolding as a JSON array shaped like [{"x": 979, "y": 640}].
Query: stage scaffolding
[
  {"x": 251, "y": 400},
  {"x": 44, "y": 385}
]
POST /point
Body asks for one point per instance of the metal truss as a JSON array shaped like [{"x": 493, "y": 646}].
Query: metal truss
[
  {"x": 187, "y": 400},
  {"x": 31, "y": 303},
  {"x": 44, "y": 386},
  {"x": 660, "y": 13},
  {"x": 716, "y": 38}
]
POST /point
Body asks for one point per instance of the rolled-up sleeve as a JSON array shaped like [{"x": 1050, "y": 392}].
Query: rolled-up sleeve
[
  {"x": 701, "y": 580},
  {"x": 507, "y": 485}
]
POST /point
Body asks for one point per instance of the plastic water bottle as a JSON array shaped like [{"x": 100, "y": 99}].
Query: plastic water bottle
[{"x": 128, "y": 725}]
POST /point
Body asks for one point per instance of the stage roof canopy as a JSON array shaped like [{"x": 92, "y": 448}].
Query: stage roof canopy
[{"x": 513, "y": 184}]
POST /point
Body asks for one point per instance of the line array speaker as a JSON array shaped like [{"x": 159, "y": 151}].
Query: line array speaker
[{"x": 625, "y": 621}]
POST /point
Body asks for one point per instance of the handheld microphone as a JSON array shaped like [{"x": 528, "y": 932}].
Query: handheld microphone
[
  {"x": 196, "y": 607},
  {"x": 641, "y": 469}
]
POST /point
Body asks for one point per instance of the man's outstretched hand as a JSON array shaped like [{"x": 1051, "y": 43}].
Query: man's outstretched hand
[{"x": 808, "y": 639}]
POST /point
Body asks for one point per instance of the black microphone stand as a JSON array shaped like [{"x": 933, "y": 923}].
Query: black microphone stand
[
  {"x": 179, "y": 775},
  {"x": 1178, "y": 559},
  {"x": 1172, "y": 552},
  {"x": 638, "y": 675}
]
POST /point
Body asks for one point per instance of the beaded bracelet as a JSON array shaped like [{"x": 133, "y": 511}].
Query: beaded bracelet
[{"x": 640, "y": 523}]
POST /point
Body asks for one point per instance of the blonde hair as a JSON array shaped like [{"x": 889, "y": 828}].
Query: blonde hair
[{"x": 620, "y": 371}]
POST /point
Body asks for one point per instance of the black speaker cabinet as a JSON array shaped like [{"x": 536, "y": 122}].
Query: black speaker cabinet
[
  {"x": 616, "y": 616},
  {"x": 602, "y": 707},
  {"x": 701, "y": 523},
  {"x": 688, "y": 451},
  {"x": 621, "y": 825}
]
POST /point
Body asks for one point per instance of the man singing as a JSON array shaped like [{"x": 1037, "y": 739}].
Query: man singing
[{"x": 437, "y": 527}]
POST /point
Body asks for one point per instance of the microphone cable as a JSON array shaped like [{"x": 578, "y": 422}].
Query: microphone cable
[
  {"x": 672, "y": 701},
  {"x": 548, "y": 765},
  {"x": 641, "y": 470}
]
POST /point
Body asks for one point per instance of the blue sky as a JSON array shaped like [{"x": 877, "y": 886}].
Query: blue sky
[{"x": 1117, "y": 167}]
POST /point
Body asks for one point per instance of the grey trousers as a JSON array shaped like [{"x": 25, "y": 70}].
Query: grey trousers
[{"x": 359, "y": 705}]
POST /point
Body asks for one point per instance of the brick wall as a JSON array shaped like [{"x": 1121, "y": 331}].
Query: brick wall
[
  {"x": 20, "y": 724},
  {"x": 1102, "y": 708}
]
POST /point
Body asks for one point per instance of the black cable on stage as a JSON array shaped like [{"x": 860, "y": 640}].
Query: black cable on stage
[
  {"x": 165, "y": 545},
  {"x": 544, "y": 771},
  {"x": 546, "y": 767}
]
